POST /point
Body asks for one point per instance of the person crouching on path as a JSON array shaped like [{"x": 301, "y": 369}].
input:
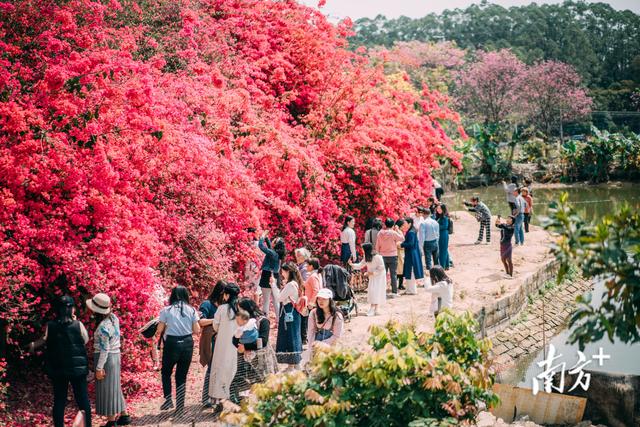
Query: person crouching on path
[
  {"x": 387, "y": 246},
  {"x": 506, "y": 249},
  {"x": 441, "y": 291},
  {"x": 178, "y": 323},
  {"x": 483, "y": 215},
  {"x": 325, "y": 321},
  {"x": 377, "y": 290},
  {"x": 412, "y": 261},
  {"x": 106, "y": 341}
]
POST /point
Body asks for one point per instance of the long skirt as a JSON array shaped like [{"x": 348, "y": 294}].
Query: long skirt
[
  {"x": 109, "y": 398},
  {"x": 443, "y": 249},
  {"x": 289, "y": 341},
  {"x": 345, "y": 253}
]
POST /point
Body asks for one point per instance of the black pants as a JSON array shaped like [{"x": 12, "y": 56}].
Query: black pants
[
  {"x": 527, "y": 220},
  {"x": 177, "y": 353},
  {"x": 430, "y": 249},
  {"x": 60, "y": 387}
]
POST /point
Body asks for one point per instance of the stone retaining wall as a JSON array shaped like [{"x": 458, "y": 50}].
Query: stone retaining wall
[
  {"x": 544, "y": 317},
  {"x": 494, "y": 316}
]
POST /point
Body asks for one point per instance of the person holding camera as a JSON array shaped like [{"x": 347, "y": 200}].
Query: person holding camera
[{"x": 483, "y": 215}]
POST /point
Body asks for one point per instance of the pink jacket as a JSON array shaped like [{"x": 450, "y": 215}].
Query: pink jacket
[{"x": 387, "y": 242}]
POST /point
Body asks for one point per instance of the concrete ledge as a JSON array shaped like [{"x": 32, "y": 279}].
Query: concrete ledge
[{"x": 494, "y": 316}]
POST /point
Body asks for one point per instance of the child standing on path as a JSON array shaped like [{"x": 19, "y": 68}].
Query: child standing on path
[
  {"x": 506, "y": 232},
  {"x": 376, "y": 294}
]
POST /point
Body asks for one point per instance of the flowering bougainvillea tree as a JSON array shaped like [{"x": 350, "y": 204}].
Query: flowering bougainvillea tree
[{"x": 139, "y": 141}]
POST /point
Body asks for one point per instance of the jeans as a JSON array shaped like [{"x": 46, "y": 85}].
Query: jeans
[
  {"x": 177, "y": 353},
  {"x": 391, "y": 265},
  {"x": 60, "y": 387},
  {"x": 431, "y": 253},
  {"x": 519, "y": 233}
]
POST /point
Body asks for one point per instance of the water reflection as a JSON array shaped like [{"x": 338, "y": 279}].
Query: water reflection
[{"x": 590, "y": 201}]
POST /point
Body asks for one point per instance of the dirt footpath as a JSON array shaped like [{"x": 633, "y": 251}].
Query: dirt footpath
[{"x": 478, "y": 278}]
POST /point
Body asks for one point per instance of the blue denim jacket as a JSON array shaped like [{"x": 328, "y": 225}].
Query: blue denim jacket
[{"x": 271, "y": 260}]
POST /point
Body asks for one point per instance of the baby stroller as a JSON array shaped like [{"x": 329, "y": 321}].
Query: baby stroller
[{"x": 337, "y": 278}]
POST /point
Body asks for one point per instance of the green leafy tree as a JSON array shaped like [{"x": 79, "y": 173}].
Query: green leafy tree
[
  {"x": 406, "y": 378},
  {"x": 607, "y": 250}
]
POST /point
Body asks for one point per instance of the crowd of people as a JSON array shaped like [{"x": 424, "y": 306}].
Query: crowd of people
[{"x": 234, "y": 331}]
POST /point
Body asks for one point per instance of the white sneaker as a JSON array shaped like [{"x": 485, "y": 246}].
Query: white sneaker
[
  {"x": 392, "y": 295},
  {"x": 371, "y": 312}
]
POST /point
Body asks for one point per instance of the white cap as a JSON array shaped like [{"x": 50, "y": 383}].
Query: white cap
[{"x": 325, "y": 293}]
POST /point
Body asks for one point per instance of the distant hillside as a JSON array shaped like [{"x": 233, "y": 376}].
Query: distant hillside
[{"x": 601, "y": 42}]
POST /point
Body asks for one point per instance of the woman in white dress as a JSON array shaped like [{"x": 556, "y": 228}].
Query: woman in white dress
[
  {"x": 377, "y": 291},
  {"x": 225, "y": 355}
]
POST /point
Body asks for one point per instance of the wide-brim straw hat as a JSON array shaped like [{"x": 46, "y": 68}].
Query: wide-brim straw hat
[{"x": 100, "y": 303}]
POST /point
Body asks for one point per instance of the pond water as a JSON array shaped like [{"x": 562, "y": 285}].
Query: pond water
[{"x": 592, "y": 202}]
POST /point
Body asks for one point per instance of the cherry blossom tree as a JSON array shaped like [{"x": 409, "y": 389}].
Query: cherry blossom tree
[
  {"x": 551, "y": 92},
  {"x": 487, "y": 89}
]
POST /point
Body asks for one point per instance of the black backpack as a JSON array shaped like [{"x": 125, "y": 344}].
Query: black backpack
[{"x": 450, "y": 226}]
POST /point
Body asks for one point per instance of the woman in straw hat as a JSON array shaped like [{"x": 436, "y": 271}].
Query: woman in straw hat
[{"x": 109, "y": 398}]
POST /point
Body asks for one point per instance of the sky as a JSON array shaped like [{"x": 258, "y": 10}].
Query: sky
[{"x": 337, "y": 9}]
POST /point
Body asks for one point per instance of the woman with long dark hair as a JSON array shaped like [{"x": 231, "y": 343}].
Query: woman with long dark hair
[
  {"x": 348, "y": 240},
  {"x": 412, "y": 259},
  {"x": 66, "y": 359},
  {"x": 208, "y": 310},
  {"x": 377, "y": 289},
  {"x": 441, "y": 290},
  {"x": 225, "y": 361},
  {"x": 178, "y": 323},
  {"x": 273, "y": 258},
  {"x": 106, "y": 342},
  {"x": 289, "y": 340},
  {"x": 325, "y": 321},
  {"x": 371, "y": 234},
  {"x": 442, "y": 216}
]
